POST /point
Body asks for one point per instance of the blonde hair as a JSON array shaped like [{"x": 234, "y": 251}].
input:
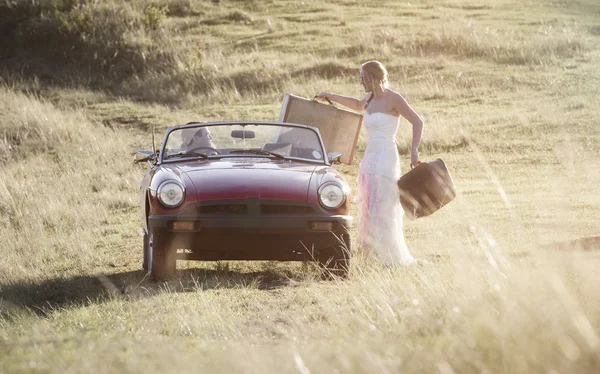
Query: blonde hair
[{"x": 374, "y": 73}]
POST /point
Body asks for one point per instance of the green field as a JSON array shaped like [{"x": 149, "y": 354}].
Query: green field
[{"x": 509, "y": 93}]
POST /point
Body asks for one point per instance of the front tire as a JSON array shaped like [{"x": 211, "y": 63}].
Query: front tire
[
  {"x": 335, "y": 260},
  {"x": 146, "y": 253},
  {"x": 163, "y": 262}
]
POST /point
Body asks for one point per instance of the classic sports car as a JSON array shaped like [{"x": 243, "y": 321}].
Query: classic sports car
[{"x": 244, "y": 191}]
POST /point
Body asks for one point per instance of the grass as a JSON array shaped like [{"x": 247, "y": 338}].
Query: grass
[{"x": 508, "y": 97}]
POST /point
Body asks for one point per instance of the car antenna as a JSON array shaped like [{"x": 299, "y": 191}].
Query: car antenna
[{"x": 153, "y": 146}]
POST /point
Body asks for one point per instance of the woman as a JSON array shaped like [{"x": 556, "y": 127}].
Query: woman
[{"x": 381, "y": 213}]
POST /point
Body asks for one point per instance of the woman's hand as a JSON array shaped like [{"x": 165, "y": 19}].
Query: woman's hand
[
  {"x": 346, "y": 101},
  {"x": 324, "y": 96},
  {"x": 414, "y": 158}
]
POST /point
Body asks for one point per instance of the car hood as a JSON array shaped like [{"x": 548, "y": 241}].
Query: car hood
[{"x": 274, "y": 180}]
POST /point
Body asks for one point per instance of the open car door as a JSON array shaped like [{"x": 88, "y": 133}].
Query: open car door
[{"x": 339, "y": 128}]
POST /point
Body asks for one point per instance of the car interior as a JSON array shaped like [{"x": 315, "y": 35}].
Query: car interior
[{"x": 287, "y": 142}]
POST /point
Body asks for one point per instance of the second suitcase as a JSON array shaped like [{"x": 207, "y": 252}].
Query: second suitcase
[{"x": 426, "y": 188}]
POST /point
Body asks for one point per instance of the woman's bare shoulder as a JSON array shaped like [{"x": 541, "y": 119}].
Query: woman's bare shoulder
[
  {"x": 395, "y": 94},
  {"x": 397, "y": 98}
]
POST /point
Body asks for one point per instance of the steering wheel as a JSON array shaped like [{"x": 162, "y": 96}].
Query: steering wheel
[{"x": 211, "y": 150}]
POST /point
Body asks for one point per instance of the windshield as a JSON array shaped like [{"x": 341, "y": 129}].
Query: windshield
[{"x": 244, "y": 140}]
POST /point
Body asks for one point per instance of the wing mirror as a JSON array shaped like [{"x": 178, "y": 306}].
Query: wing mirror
[
  {"x": 335, "y": 157},
  {"x": 142, "y": 156}
]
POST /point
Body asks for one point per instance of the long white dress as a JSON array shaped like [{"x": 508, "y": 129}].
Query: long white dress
[{"x": 380, "y": 230}]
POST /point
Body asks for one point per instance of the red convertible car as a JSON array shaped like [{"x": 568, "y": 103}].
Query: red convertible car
[{"x": 244, "y": 191}]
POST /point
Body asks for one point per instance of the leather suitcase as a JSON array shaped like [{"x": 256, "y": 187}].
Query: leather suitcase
[
  {"x": 339, "y": 128},
  {"x": 426, "y": 188}
]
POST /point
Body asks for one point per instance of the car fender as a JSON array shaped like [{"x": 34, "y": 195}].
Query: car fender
[
  {"x": 161, "y": 175},
  {"x": 328, "y": 174}
]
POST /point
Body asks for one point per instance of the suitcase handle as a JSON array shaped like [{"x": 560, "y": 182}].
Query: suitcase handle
[
  {"x": 412, "y": 167},
  {"x": 327, "y": 99}
]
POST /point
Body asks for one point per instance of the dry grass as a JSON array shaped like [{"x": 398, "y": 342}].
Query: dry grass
[
  {"x": 229, "y": 51},
  {"x": 61, "y": 179},
  {"x": 509, "y": 100}
]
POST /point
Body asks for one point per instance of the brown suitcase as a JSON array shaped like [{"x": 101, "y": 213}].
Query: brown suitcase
[
  {"x": 339, "y": 128},
  {"x": 425, "y": 189}
]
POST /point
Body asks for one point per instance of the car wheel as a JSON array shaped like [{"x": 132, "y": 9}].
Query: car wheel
[
  {"x": 162, "y": 260},
  {"x": 146, "y": 254},
  {"x": 335, "y": 261}
]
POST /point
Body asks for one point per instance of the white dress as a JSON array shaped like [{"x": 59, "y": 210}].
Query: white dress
[{"x": 380, "y": 230}]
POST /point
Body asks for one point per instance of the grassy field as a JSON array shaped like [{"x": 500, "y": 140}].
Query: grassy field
[{"x": 509, "y": 93}]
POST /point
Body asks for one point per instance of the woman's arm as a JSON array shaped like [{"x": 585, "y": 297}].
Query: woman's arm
[
  {"x": 402, "y": 107},
  {"x": 347, "y": 101}
]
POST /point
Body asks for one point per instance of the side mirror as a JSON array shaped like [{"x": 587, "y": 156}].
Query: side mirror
[
  {"x": 335, "y": 157},
  {"x": 142, "y": 156}
]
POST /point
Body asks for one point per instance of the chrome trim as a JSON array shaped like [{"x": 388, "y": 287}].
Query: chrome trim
[
  {"x": 325, "y": 185},
  {"x": 158, "y": 191},
  {"x": 334, "y": 158}
]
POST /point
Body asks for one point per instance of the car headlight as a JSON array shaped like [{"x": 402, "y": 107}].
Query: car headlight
[
  {"x": 171, "y": 194},
  {"x": 331, "y": 195}
]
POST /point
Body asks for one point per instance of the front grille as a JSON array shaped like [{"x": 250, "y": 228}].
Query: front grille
[
  {"x": 224, "y": 208},
  {"x": 284, "y": 209}
]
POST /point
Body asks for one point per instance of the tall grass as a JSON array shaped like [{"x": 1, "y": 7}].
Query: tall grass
[
  {"x": 158, "y": 59},
  {"x": 479, "y": 306},
  {"x": 461, "y": 315},
  {"x": 62, "y": 176},
  {"x": 467, "y": 38}
]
